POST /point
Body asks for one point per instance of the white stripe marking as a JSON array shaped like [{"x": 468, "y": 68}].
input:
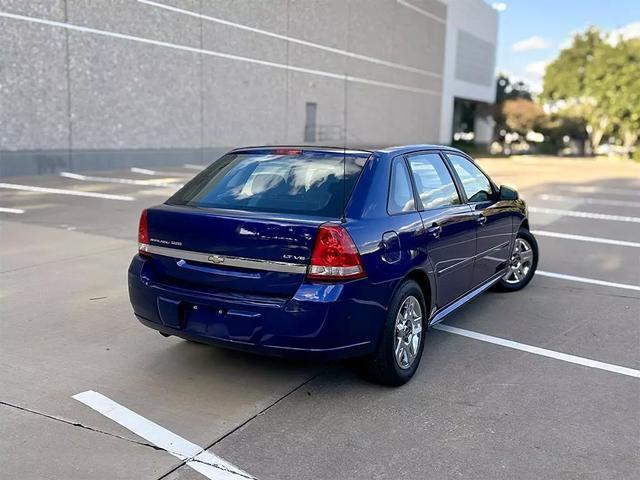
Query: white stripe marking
[
  {"x": 208, "y": 464},
  {"x": 160, "y": 182},
  {"x": 11, "y": 210},
  {"x": 298, "y": 41},
  {"x": 421, "y": 11},
  {"x": 143, "y": 171},
  {"x": 59, "y": 191},
  {"x": 578, "y": 214},
  {"x": 590, "y": 189},
  {"x": 228, "y": 56},
  {"x": 540, "y": 351},
  {"x": 582, "y": 238},
  {"x": 592, "y": 281},
  {"x": 591, "y": 201},
  {"x": 194, "y": 167}
]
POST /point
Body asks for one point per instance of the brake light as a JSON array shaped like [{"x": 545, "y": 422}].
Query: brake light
[
  {"x": 143, "y": 234},
  {"x": 286, "y": 151},
  {"x": 334, "y": 256}
]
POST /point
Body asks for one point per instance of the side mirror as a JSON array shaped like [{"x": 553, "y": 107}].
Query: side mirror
[{"x": 507, "y": 193}]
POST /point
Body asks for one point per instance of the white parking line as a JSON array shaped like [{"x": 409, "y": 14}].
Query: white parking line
[
  {"x": 592, "y": 281},
  {"x": 590, "y": 201},
  {"x": 60, "y": 191},
  {"x": 583, "y": 238},
  {"x": 208, "y": 464},
  {"x": 143, "y": 171},
  {"x": 540, "y": 351},
  {"x": 590, "y": 189},
  {"x": 11, "y": 210},
  {"x": 578, "y": 214},
  {"x": 191, "y": 166},
  {"x": 159, "y": 182}
]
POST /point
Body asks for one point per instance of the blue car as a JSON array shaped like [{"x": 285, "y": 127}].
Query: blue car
[{"x": 328, "y": 253}]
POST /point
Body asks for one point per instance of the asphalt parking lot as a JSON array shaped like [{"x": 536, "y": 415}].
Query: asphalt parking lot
[{"x": 559, "y": 399}]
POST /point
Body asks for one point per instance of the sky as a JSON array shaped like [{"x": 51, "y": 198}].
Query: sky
[{"x": 532, "y": 32}]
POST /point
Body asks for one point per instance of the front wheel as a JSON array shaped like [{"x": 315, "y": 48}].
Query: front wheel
[
  {"x": 398, "y": 354},
  {"x": 522, "y": 263}
]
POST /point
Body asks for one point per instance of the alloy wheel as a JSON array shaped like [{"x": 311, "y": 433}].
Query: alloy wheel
[
  {"x": 408, "y": 332},
  {"x": 520, "y": 262}
]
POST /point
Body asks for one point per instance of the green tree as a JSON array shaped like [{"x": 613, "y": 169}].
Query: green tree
[
  {"x": 512, "y": 116},
  {"x": 613, "y": 82},
  {"x": 598, "y": 78},
  {"x": 568, "y": 79},
  {"x": 507, "y": 90},
  {"x": 522, "y": 115},
  {"x": 565, "y": 122}
]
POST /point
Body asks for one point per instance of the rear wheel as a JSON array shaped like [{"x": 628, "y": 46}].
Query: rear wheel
[
  {"x": 522, "y": 263},
  {"x": 398, "y": 354}
]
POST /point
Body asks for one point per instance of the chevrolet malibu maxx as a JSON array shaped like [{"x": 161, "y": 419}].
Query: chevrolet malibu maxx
[{"x": 329, "y": 253}]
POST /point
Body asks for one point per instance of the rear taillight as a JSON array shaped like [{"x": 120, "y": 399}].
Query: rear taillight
[
  {"x": 334, "y": 256},
  {"x": 143, "y": 234}
]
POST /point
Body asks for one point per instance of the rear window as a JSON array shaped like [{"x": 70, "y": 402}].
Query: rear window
[{"x": 312, "y": 183}]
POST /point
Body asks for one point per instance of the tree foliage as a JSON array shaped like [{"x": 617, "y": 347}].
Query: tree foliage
[
  {"x": 522, "y": 115},
  {"x": 566, "y": 77},
  {"x": 613, "y": 82},
  {"x": 514, "y": 110},
  {"x": 598, "y": 80},
  {"x": 566, "y": 122},
  {"x": 507, "y": 90}
]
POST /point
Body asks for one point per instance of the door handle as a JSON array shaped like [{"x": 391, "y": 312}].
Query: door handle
[
  {"x": 481, "y": 220},
  {"x": 434, "y": 230}
]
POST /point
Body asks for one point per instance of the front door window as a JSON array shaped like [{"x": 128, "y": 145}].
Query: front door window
[{"x": 476, "y": 185}]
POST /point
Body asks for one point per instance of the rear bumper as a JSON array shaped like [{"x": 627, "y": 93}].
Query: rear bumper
[{"x": 321, "y": 321}]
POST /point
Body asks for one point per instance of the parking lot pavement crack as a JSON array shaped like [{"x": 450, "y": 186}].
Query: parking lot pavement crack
[
  {"x": 243, "y": 424},
  {"x": 80, "y": 425}
]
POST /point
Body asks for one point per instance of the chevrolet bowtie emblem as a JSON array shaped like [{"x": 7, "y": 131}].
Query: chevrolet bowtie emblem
[{"x": 216, "y": 259}]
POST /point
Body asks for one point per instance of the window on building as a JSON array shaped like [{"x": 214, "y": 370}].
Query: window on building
[{"x": 310, "y": 124}]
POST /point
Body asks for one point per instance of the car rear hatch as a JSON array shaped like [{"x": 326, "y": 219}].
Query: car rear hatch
[{"x": 247, "y": 224}]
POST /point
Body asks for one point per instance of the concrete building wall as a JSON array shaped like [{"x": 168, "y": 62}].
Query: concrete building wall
[
  {"x": 469, "y": 69},
  {"x": 92, "y": 84}
]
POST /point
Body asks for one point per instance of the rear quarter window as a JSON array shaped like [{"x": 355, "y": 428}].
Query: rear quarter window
[
  {"x": 400, "y": 190},
  {"x": 313, "y": 183}
]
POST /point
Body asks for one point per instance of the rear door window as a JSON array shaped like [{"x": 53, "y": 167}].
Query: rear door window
[
  {"x": 434, "y": 183},
  {"x": 293, "y": 181}
]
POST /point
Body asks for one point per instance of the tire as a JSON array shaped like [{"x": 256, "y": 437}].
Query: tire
[
  {"x": 511, "y": 282},
  {"x": 382, "y": 366}
]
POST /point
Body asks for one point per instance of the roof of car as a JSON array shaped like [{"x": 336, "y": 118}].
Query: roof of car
[
  {"x": 396, "y": 150},
  {"x": 400, "y": 149},
  {"x": 309, "y": 148}
]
